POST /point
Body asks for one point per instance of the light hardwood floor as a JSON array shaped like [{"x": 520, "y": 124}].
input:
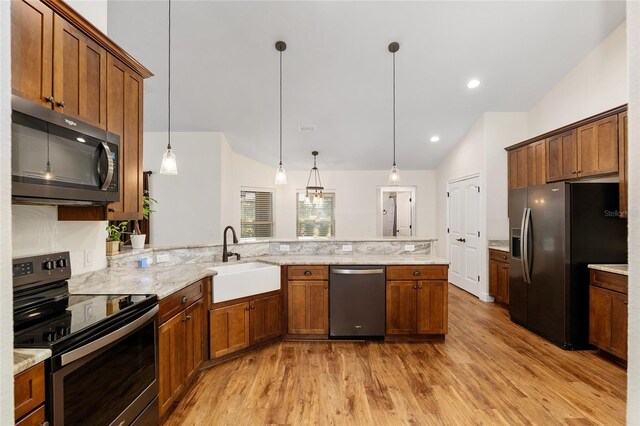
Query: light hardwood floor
[{"x": 488, "y": 371}]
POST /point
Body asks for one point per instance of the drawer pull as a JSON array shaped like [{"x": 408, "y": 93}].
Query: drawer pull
[
  {"x": 183, "y": 300},
  {"x": 417, "y": 273},
  {"x": 307, "y": 273}
]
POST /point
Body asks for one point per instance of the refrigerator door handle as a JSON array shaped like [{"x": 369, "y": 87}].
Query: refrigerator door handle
[{"x": 524, "y": 241}]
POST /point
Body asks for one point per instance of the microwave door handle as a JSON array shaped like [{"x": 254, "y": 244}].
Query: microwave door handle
[{"x": 109, "y": 177}]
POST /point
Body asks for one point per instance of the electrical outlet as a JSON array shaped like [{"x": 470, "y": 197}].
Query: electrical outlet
[
  {"x": 89, "y": 254},
  {"x": 162, "y": 258},
  {"x": 284, "y": 247},
  {"x": 409, "y": 247},
  {"x": 347, "y": 247},
  {"x": 88, "y": 312}
]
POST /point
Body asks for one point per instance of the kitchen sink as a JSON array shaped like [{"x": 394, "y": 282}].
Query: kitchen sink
[{"x": 244, "y": 279}]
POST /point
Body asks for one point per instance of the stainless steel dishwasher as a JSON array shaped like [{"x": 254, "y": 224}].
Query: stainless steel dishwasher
[{"x": 356, "y": 301}]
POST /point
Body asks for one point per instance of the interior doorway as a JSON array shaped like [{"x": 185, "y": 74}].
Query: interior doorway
[{"x": 396, "y": 211}]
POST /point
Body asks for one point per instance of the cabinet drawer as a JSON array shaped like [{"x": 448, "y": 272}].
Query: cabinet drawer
[
  {"x": 170, "y": 306},
  {"x": 499, "y": 256},
  {"x": 422, "y": 272},
  {"x": 609, "y": 281},
  {"x": 35, "y": 418},
  {"x": 315, "y": 272},
  {"x": 28, "y": 390}
]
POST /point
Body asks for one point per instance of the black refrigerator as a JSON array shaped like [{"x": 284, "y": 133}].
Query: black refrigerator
[{"x": 556, "y": 230}]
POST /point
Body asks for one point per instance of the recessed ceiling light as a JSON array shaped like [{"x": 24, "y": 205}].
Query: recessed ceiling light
[
  {"x": 435, "y": 138},
  {"x": 472, "y": 84}
]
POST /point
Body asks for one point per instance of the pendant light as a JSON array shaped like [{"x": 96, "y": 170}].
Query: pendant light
[
  {"x": 394, "y": 174},
  {"x": 281, "y": 174},
  {"x": 314, "y": 190},
  {"x": 169, "y": 165}
]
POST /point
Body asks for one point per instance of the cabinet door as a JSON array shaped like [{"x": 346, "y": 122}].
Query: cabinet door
[
  {"x": 599, "y": 317},
  {"x": 536, "y": 164},
  {"x": 308, "y": 307},
  {"x": 431, "y": 307},
  {"x": 171, "y": 344},
  {"x": 622, "y": 162},
  {"x": 265, "y": 318},
  {"x": 194, "y": 339},
  {"x": 598, "y": 147},
  {"x": 618, "y": 345},
  {"x": 523, "y": 173},
  {"x": 503, "y": 282},
  {"x": 31, "y": 50},
  {"x": 562, "y": 156},
  {"x": 401, "y": 307},
  {"x": 494, "y": 270},
  {"x": 79, "y": 74},
  {"x": 229, "y": 329},
  {"x": 124, "y": 118},
  {"x": 513, "y": 169}
]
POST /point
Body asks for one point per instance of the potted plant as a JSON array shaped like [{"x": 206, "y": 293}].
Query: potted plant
[
  {"x": 138, "y": 238},
  {"x": 114, "y": 234}
]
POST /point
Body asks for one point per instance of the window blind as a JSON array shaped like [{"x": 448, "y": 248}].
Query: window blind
[
  {"x": 256, "y": 214},
  {"x": 316, "y": 220}
]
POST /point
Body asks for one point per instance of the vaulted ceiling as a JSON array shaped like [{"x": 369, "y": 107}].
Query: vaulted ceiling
[{"x": 338, "y": 71}]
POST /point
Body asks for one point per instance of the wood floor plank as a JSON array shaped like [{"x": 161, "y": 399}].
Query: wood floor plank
[{"x": 488, "y": 371}]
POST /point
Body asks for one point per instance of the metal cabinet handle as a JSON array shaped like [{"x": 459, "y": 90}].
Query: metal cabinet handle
[
  {"x": 60, "y": 104},
  {"x": 187, "y": 318},
  {"x": 307, "y": 273},
  {"x": 417, "y": 273},
  {"x": 43, "y": 424},
  {"x": 419, "y": 286},
  {"x": 49, "y": 99},
  {"x": 246, "y": 309},
  {"x": 326, "y": 287},
  {"x": 184, "y": 300},
  {"x": 415, "y": 287},
  {"x": 253, "y": 307}
]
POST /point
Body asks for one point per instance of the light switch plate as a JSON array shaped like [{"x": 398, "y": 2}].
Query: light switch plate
[
  {"x": 162, "y": 258},
  {"x": 284, "y": 247},
  {"x": 347, "y": 247},
  {"x": 409, "y": 247},
  {"x": 89, "y": 254}
]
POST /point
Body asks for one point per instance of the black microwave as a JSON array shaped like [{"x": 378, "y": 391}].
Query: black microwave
[{"x": 57, "y": 159}]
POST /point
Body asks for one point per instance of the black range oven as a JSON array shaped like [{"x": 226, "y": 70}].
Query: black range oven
[{"x": 104, "y": 368}]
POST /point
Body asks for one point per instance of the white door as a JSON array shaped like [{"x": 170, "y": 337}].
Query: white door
[
  {"x": 404, "y": 213},
  {"x": 464, "y": 234}
]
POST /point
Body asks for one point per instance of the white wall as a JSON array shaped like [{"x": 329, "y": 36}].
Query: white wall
[
  {"x": 6, "y": 294},
  {"x": 597, "y": 83},
  {"x": 188, "y": 205},
  {"x": 633, "y": 370},
  {"x": 95, "y": 11}
]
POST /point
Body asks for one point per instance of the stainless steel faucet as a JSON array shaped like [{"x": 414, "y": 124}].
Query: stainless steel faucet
[{"x": 225, "y": 252}]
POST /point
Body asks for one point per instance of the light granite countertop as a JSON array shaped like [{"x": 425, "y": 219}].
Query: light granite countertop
[
  {"x": 622, "y": 269},
  {"x": 353, "y": 260},
  {"x": 23, "y": 359},
  {"x": 504, "y": 248}
]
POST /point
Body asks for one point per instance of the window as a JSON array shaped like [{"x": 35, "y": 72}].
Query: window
[
  {"x": 316, "y": 219},
  {"x": 256, "y": 214}
]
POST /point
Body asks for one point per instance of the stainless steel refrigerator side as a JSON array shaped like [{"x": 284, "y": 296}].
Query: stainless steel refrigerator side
[
  {"x": 547, "y": 295},
  {"x": 517, "y": 285}
]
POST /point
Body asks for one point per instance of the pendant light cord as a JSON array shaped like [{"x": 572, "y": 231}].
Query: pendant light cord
[
  {"x": 281, "y": 108},
  {"x": 169, "y": 84},
  {"x": 394, "y": 108}
]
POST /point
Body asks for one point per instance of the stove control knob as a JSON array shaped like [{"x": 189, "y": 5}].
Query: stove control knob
[
  {"x": 61, "y": 331},
  {"x": 48, "y": 265},
  {"x": 61, "y": 263},
  {"x": 49, "y": 336}
]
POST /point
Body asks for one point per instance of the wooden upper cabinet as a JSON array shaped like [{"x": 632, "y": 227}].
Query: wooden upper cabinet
[
  {"x": 562, "y": 156},
  {"x": 536, "y": 163},
  {"x": 598, "y": 147},
  {"x": 79, "y": 74},
  {"x": 31, "y": 50},
  {"x": 513, "y": 169},
  {"x": 518, "y": 173},
  {"x": 124, "y": 118},
  {"x": 622, "y": 162}
]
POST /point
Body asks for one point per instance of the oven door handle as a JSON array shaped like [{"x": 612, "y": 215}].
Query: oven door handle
[
  {"x": 109, "y": 177},
  {"x": 96, "y": 345}
]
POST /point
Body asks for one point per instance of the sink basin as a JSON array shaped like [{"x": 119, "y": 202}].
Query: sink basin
[{"x": 244, "y": 279}]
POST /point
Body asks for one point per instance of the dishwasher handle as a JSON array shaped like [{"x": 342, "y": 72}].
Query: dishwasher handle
[{"x": 357, "y": 271}]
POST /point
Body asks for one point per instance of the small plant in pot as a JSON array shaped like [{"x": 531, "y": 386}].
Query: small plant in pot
[
  {"x": 114, "y": 234},
  {"x": 138, "y": 238}
]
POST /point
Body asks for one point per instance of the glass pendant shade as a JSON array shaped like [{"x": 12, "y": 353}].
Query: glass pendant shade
[
  {"x": 48, "y": 174},
  {"x": 169, "y": 165},
  {"x": 394, "y": 176},
  {"x": 281, "y": 176}
]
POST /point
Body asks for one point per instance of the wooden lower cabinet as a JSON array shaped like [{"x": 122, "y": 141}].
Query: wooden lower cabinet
[
  {"x": 499, "y": 276},
  {"x": 181, "y": 350},
  {"x": 608, "y": 313},
  {"x": 432, "y": 307},
  {"x": 240, "y": 325},
  {"x": 29, "y": 396},
  {"x": 308, "y": 307},
  {"x": 401, "y": 307}
]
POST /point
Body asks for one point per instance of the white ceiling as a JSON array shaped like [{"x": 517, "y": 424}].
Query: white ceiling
[{"x": 337, "y": 70}]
